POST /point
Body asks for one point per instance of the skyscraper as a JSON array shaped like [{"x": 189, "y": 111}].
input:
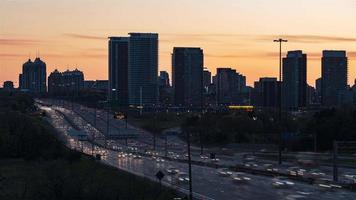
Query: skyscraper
[
  {"x": 334, "y": 76},
  {"x": 118, "y": 70},
  {"x": 229, "y": 86},
  {"x": 294, "y": 85},
  {"x": 33, "y": 77},
  {"x": 187, "y": 70},
  {"x": 143, "y": 69}
]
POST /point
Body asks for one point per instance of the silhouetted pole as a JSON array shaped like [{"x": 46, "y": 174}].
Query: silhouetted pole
[
  {"x": 280, "y": 41},
  {"x": 107, "y": 124},
  {"x": 335, "y": 167},
  {"x": 190, "y": 167}
]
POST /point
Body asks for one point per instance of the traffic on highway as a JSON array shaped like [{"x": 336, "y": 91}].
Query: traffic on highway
[{"x": 213, "y": 177}]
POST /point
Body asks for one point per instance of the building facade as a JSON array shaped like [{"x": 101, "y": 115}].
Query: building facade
[
  {"x": 33, "y": 77},
  {"x": 143, "y": 69},
  {"x": 229, "y": 86},
  {"x": 187, "y": 70},
  {"x": 294, "y": 84},
  {"x": 118, "y": 70},
  {"x": 68, "y": 83},
  {"x": 334, "y": 76},
  {"x": 8, "y": 86}
]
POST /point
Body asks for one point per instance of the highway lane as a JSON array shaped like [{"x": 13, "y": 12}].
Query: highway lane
[{"x": 205, "y": 180}]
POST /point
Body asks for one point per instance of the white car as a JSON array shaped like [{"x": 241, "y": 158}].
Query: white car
[
  {"x": 183, "y": 177},
  {"x": 250, "y": 164},
  {"x": 172, "y": 171},
  {"x": 351, "y": 178},
  {"x": 159, "y": 160},
  {"x": 224, "y": 172},
  {"x": 296, "y": 171},
  {"x": 240, "y": 178},
  {"x": 282, "y": 182}
]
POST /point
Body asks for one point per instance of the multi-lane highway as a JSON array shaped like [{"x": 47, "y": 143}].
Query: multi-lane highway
[{"x": 208, "y": 183}]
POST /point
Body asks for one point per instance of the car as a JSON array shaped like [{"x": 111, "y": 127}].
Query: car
[
  {"x": 240, "y": 178},
  {"x": 203, "y": 157},
  {"x": 250, "y": 164},
  {"x": 183, "y": 177},
  {"x": 136, "y": 156},
  {"x": 315, "y": 173},
  {"x": 296, "y": 171},
  {"x": 250, "y": 158},
  {"x": 350, "y": 178},
  {"x": 215, "y": 160},
  {"x": 172, "y": 170},
  {"x": 224, "y": 172},
  {"x": 270, "y": 168},
  {"x": 160, "y": 160},
  {"x": 282, "y": 182}
]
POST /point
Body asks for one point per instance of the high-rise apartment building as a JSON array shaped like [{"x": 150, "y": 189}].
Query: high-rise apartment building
[
  {"x": 334, "y": 76},
  {"x": 143, "y": 69},
  {"x": 118, "y": 70},
  {"x": 187, "y": 76},
  {"x": 294, "y": 85},
  {"x": 33, "y": 77},
  {"x": 229, "y": 86}
]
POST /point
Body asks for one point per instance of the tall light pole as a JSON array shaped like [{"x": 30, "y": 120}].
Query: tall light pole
[{"x": 280, "y": 41}]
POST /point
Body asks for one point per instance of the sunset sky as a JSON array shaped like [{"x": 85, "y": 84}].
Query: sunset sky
[{"x": 233, "y": 33}]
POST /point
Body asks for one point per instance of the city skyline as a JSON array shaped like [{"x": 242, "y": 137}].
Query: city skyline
[{"x": 237, "y": 39}]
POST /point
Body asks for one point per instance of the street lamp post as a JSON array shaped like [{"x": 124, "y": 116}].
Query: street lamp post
[{"x": 280, "y": 41}]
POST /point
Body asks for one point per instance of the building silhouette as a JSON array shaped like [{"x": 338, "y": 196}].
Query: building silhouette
[
  {"x": 334, "y": 77},
  {"x": 143, "y": 69},
  {"x": 267, "y": 92},
  {"x": 118, "y": 70},
  {"x": 187, "y": 70},
  {"x": 33, "y": 76},
  {"x": 67, "y": 83},
  {"x": 229, "y": 86},
  {"x": 318, "y": 88},
  {"x": 163, "y": 79},
  {"x": 206, "y": 79},
  {"x": 165, "y": 89},
  {"x": 8, "y": 86},
  {"x": 133, "y": 69},
  {"x": 294, "y": 85}
]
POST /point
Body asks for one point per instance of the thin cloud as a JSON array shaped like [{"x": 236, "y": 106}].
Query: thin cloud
[
  {"x": 86, "y": 37},
  {"x": 11, "y": 55},
  {"x": 18, "y": 42},
  {"x": 308, "y": 38}
]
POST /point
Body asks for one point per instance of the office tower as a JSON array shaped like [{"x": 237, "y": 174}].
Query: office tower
[
  {"x": 334, "y": 76},
  {"x": 163, "y": 79},
  {"x": 33, "y": 77},
  {"x": 68, "y": 83},
  {"x": 229, "y": 86},
  {"x": 187, "y": 70},
  {"x": 268, "y": 92},
  {"x": 143, "y": 69},
  {"x": 206, "y": 78},
  {"x": 118, "y": 70},
  {"x": 294, "y": 85}
]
